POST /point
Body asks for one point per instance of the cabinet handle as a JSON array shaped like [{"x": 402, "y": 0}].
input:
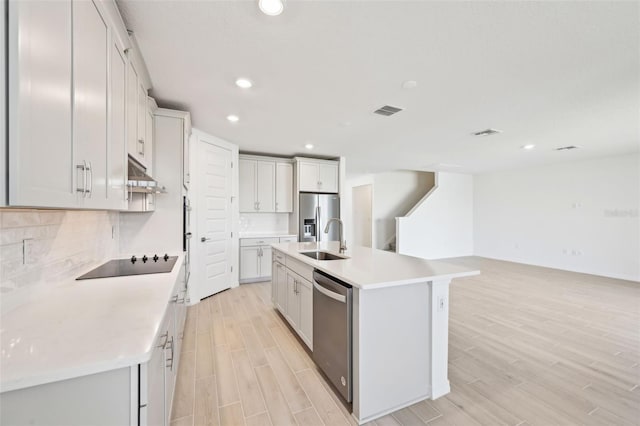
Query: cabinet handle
[
  {"x": 174, "y": 299},
  {"x": 141, "y": 147},
  {"x": 90, "y": 173},
  {"x": 170, "y": 360},
  {"x": 83, "y": 167},
  {"x": 166, "y": 337}
]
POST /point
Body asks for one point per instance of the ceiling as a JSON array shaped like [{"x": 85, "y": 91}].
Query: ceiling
[{"x": 545, "y": 73}]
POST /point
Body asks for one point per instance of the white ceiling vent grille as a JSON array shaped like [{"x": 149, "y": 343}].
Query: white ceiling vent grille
[
  {"x": 487, "y": 132},
  {"x": 567, "y": 148},
  {"x": 387, "y": 110}
]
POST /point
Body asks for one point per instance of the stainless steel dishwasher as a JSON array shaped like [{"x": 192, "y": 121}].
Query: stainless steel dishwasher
[{"x": 332, "y": 346}]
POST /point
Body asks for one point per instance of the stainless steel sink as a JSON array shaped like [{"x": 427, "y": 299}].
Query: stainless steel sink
[{"x": 322, "y": 255}]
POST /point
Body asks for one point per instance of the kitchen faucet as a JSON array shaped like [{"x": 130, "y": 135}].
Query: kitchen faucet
[{"x": 343, "y": 244}]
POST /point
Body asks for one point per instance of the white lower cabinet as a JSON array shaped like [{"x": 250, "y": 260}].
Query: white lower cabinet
[
  {"x": 293, "y": 295},
  {"x": 255, "y": 259},
  {"x": 140, "y": 394}
]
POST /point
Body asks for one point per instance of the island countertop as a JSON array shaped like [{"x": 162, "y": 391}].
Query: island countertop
[{"x": 367, "y": 268}]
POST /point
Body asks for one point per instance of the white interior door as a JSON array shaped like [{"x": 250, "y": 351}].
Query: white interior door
[{"x": 215, "y": 218}]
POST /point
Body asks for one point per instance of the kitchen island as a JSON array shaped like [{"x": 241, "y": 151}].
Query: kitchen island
[{"x": 399, "y": 319}]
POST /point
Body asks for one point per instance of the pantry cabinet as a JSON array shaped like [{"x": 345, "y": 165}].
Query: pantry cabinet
[{"x": 66, "y": 115}]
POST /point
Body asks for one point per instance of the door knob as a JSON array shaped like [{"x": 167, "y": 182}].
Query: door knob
[{"x": 203, "y": 239}]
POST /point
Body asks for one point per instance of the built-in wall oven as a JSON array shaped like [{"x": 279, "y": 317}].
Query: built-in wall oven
[{"x": 186, "y": 238}]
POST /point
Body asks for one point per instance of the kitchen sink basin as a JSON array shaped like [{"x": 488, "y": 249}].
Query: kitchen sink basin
[{"x": 322, "y": 255}]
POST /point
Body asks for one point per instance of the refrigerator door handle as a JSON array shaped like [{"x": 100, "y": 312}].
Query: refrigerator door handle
[{"x": 318, "y": 228}]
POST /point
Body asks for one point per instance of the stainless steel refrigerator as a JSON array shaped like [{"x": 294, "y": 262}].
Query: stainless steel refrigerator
[{"x": 314, "y": 212}]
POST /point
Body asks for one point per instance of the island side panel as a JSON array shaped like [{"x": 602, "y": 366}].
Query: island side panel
[
  {"x": 440, "y": 337},
  {"x": 391, "y": 357}
]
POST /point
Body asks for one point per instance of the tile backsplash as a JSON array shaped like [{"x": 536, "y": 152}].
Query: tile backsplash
[
  {"x": 264, "y": 222},
  {"x": 48, "y": 246}
]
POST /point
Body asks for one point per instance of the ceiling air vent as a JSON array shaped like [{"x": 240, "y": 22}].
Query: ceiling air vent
[
  {"x": 487, "y": 132},
  {"x": 387, "y": 110},
  {"x": 567, "y": 148}
]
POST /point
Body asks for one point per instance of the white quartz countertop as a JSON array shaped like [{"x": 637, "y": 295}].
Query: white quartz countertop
[
  {"x": 83, "y": 327},
  {"x": 368, "y": 268},
  {"x": 265, "y": 234}
]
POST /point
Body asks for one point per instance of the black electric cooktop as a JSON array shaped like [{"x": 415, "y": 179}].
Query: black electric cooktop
[{"x": 134, "y": 266}]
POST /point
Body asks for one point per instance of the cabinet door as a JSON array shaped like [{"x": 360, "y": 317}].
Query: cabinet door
[
  {"x": 42, "y": 170},
  {"x": 284, "y": 187},
  {"x": 309, "y": 174},
  {"x": 292, "y": 313},
  {"x": 141, "y": 109},
  {"x": 265, "y": 261},
  {"x": 117, "y": 165},
  {"x": 266, "y": 187},
  {"x": 305, "y": 295},
  {"x": 170, "y": 371},
  {"x": 186, "y": 168},
  {"x": 274, "y": 282},
  {"x": 133, "y": 146},
  {"x": 328, "y": 178},
  {"x": 247, "y": 170},
  {"x": 152, "y": 382},
  {"x": 90, "y": 52},
  {"x": 148, "y": 142},
  {"x": 282, "y": 288},
  {"x": 249, "y": 263}
]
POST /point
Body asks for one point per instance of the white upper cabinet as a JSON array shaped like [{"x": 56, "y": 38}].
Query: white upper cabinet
[
  {"x": 42, "y": 171},
  {"x": 317, "y": 175},
  {"x": 248, "y": 172},
  {"x": 133, "y": 146},
  {"x": 266, "y": 186},
  {"x": 66, "y": 107},
  {"x": 90, "y": 54},
  {"x": 257, "y": 186},
  {"x": 284, "y": 187},
  {"x": 117, "y": 163},
  {"x": 139, "y": 133}
]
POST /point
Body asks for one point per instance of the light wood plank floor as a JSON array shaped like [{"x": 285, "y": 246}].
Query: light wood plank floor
[{"x": 527, "y": 346}]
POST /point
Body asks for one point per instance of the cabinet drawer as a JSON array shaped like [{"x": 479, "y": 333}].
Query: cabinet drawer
[
  {"x": 279, "y": 257},
  {"x": 244, "y": 242},
  {"x": 302, "y": 269},
  {"x": 288, "y": 239}
]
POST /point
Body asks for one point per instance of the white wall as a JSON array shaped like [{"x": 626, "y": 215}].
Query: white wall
[
  {"x": 442, "y": 226},
  {"x": 395, "y": 194},
  {"x": 579, "y": 216}
]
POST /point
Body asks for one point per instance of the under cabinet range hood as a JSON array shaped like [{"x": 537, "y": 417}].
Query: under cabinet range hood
[{"x": 139, "y": 181}]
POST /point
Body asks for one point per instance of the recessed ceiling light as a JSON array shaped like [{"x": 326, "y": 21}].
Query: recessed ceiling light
[
  {"x": 233, "y": 118},
  {"x": 244, "y": 83},
  {"x": 528, "y": 147},
  {"x": 309, "y": 146},
  {"x": 410, "y": 84},
  {"x": 271, "y": 7}
]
